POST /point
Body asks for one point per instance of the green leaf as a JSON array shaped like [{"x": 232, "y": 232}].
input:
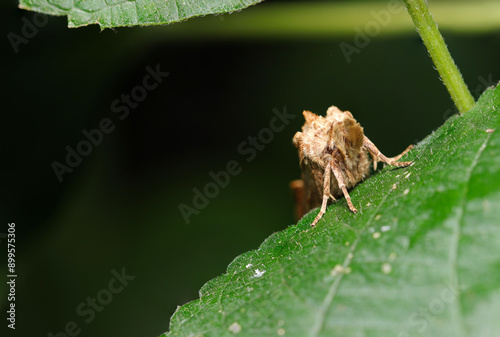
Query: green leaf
[
  {"x": 312, "y": 19},
  {"x": 115, "y": 13},
  {"x": 421, "y": 257}
]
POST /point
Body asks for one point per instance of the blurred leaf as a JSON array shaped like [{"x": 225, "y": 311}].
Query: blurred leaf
[
  {"x": 318, "y": 19},
  {"x": 421, "y": 257},
  {"x": 115, "y": 13}
]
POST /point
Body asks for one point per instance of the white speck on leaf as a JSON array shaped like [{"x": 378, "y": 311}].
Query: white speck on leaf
[
  {"x": 394, "y": 186},
  {"x": 405, "y": 192},
  {"x": 408, "y": 175},
  {"x": 258, "y": 273},
  {"x": 378, "y": 216},
  {"x": 235, "y": 327},
  {"x": 386, "y": 268},
  {"x": 248, "y": 265},
  {"x": 376, "y": 235},
  {"x": 338, "y": 269},
  {"x": 385, "y": 228},
  {"x": 281, "y": 331}
]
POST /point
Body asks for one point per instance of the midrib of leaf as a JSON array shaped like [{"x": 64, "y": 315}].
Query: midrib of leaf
[
  {"x": 330, "y": 296},
  {"x": 320, "y": 318},
  {"x": 457, "y": 309}
]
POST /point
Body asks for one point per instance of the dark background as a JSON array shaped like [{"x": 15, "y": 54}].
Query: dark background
[{"x": 120, "y": 207}]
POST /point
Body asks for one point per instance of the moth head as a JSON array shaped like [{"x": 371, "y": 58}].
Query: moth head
[
  {"x": 344, "y": 128},
  {"x": 337, "y": 113}
]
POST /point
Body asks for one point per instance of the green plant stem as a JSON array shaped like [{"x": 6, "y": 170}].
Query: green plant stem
[{"x": 440, "y": 55}]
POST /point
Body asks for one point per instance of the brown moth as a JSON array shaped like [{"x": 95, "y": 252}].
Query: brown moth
[{"x": 333, "y": 144}]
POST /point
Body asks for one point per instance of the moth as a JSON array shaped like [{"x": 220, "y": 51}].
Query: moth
[{"x": 336, "y": 145}]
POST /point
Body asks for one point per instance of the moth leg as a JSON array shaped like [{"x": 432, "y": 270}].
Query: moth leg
[
  {"x": 403, "y": 153},
  {"x": 340, "y": 181},
  {"x": 375, "y": 160},
  {"x": 367, "y": 143},
  {"x": 326, "y": 193}
]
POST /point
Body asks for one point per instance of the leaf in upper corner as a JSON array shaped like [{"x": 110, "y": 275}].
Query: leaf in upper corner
[
  {"x": 421, "y": 258},
  {"x": 116, "y": 13}
]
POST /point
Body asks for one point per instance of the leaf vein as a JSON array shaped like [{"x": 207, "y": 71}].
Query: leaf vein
[
  {"x": 332, "y": 292},
  {"x": 457, "y": 309}
]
